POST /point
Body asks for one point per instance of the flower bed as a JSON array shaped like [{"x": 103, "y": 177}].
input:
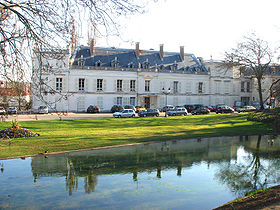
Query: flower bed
[{"x": 16, "y": 132}]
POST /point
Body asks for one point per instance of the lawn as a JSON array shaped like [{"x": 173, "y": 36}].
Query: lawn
[{"x": 58, "y": 136}]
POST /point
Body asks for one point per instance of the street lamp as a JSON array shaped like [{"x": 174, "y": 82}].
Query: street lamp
[{"x": 166, "y": 92}]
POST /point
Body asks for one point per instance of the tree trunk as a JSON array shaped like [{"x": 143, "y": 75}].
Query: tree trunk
[{"x": 260, "y": 93}]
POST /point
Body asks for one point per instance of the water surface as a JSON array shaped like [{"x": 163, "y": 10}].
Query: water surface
[{"x": 183, "y": 174}]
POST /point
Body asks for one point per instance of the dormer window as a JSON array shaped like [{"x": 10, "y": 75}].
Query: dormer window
[
  {"x": 130, "y": 65},
  {"x": 161, "y": 67},
  {"x": 115, "y": 62},
  {"x": 146, "y": 64},
  {"x": 98, "y": 63},
  {"x": 81, "y": 62},
  {"x": 175, "y": 66}
]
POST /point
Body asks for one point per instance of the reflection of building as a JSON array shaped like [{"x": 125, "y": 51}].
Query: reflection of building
[{"x": 155, "y": 157}]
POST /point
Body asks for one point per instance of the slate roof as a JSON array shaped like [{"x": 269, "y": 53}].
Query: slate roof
[{"x": 126, "y": 58}]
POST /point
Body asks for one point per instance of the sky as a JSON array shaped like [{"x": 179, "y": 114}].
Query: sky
[{"x": 206, "y": 28}]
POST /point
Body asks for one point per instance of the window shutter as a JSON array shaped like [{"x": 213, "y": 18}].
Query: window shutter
[
  {"x": 64, "y": 84},
  {"x": 94, "y": 85},
  {"x": 104, "y": 85},
  {"x": 86, "y": 84},
  {"x": 76, "y": 84},
  {"x": 204, "y": 87},
  {"x": 54, "y": 83},
  {"x": 115, "y": 100},
  {"x": 179, "y": 87},
  {"x": 115, "y": 86}
]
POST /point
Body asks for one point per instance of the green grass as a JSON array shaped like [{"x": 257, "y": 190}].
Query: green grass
[{"x": 57, "y": 136}]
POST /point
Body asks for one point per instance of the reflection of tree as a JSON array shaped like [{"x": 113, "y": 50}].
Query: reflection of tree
[
  {"x": 90, "y": 182},
  {"x": 72, "y": 176},
  {"x": 248, "y": 175}
]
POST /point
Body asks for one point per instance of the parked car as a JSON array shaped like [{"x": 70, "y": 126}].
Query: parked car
[
  {"x": 211, "y": 108},
  {"x": 139, "y": 109},
  {"x": 93, "y": 109},
  {"x": 130, "y": 107},
  {"x": 116, "y": 108},
  {"x": 125, "y": 113},
  {"x": 189, "y": 107},
  {"x": 12, "y": 110},
  {"x": 177, "y": 111},
  {"x": 43, "y": 110},
  {"x": 196, "y": 106},
  {"x": 149, "y": 112},
  {"x": 2, "y": 111},
  {"x": 201, "y": 110},
  {"x": 167, "y": 108},
  {"x": 246, "y": 109},
  {"x": 224, "y": 109}
]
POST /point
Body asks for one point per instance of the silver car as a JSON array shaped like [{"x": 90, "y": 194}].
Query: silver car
[
  {"x": 2, "y": 111},
  {"x": 177, "y": 111},
  {"x": 124, "y": 113}
]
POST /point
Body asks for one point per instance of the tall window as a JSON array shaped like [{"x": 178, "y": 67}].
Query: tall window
[
  {"x": 175, "y": 86},
  {"x": 200, "y": 86},
  {"x": 132, "y": 101},
  {"x": 147, "y": 85},
  {"x": 99, "y": 84},
  {"x": 81, "y": 84},
  {"x": 132, "y": 85},
  {"x": 242, "y": 86},
  {"x": 119, "y": 85},
  {"x": 119, "y": 100},
  {"x": 248, "y": 87},
  {"x": 58, "y": 84}
]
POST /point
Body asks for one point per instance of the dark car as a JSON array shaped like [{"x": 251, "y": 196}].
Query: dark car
[
  {"x": 224, "y": 109},
  {"x": 201, "y": 110},
  {"x": 149, "y": 112},
  {"x": 93, "y": 109},
  {"x": 189, "y": 107},
  {"x": 130, "y": 107},
  {"x": 12, "y": 110},
  {"x": 196, "y": 106},
  {"x": 116, "y": 108},
  {"x": 211, "y": 108}
]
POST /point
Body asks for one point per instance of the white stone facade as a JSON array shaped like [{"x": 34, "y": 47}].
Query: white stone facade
[{"x": 76, "y": 87}]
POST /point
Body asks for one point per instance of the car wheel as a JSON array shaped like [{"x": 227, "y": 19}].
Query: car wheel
[{"x": 157, "y": 115}]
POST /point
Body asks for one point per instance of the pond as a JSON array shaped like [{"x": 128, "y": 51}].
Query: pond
[{"x": 182, "y": 174}]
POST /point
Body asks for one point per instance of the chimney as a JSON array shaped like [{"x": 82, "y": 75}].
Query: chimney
[
  {"x": 91, "y": 47},
  {"x": 137, "y": 50},
  {"x": 182, "y": 52},
  {"x": 161, "y": 51}
]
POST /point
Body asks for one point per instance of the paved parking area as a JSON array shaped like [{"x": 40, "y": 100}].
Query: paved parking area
[{"x": 55, "y": 116}]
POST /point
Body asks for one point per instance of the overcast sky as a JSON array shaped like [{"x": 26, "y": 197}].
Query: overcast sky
[{"x": 203, "y": 27}]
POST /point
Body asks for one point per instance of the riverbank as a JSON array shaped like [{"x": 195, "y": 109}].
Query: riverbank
[
  {"x": 68, "y": 135},
  {"x": 263, "y": 199}
]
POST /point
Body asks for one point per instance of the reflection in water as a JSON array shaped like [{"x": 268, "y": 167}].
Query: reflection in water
[
  {"x": 251, "y": 173},
  {"x": 182, "y": 174},
  {"x": 240, "y": 176}
]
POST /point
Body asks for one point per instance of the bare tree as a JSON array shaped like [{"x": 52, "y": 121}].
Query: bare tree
[
  {"x": 253, "y": 57},
  {"x": 45, "y": 25}
]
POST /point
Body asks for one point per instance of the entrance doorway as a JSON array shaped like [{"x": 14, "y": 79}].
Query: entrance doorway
[{"x": 147, "y": 102}]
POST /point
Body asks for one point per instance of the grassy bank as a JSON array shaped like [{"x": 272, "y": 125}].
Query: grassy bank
[{"x": 57, "y": 136}]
